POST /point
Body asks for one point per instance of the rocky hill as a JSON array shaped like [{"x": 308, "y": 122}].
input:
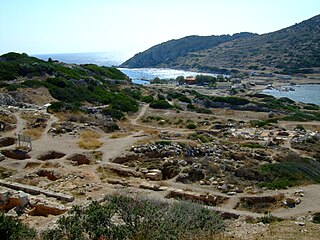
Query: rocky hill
[
  {"x": 295, "y": 49},
  {"x": 70, "y": 86}
]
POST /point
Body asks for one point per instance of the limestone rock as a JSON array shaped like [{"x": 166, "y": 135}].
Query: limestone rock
[{"x": 154, "y": 175}]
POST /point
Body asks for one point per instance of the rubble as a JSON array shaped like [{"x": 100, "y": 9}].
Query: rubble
[
  {"x": 154, "y": 175},
  {"x": 51, "y": 175},
  {"x": 51, "y": 155},
  {"x": 79, "y": 159},
  {"x": 7, "y": 141},
  {"x": 205, "y": 198},
  {"x": 16, "y": 154},
  {"x": 36, "y": 190}
]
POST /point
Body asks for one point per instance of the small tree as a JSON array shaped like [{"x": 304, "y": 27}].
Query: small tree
[{"x": 180, "y": 80}]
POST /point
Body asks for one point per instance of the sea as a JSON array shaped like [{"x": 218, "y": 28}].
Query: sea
[
  {"x": 302, "y": 93},
  {"x": 138, "y": 75},
  {"x": 308, "y": 93}
]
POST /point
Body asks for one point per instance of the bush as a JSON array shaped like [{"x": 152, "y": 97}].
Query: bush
[
  {"x": 252, "y": 145},
  {"x": 114, "y": 113},
  {"x": 147, "y": 99},
  {"x": 266, "y": 219},
  {"x": 191, "y": 126},
  {"x": 184, "y": 99},
  {"x": 62, "y": 107},
  {"x": 293, "y": 171},
  {"x": 140, "y": 219},
  {"x": 13, "y": 229},
  {"x": 316, "y": 217},
  {"x": 160, "y": 104}
]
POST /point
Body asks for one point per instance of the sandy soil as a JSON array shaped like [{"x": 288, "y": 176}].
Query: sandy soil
[{"x": 85, "y": 178}]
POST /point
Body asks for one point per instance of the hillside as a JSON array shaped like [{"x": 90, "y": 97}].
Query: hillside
[
  {"x": 73, "y": 86},
  {"x": 167, "y": 52},
  {"x": 295, "y": 49}
]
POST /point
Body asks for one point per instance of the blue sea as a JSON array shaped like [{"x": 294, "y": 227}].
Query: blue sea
[
  {"x": 302, "y": 93},
  {"x": 309, "y": 93},
  {"x": 138, "y": 75}
]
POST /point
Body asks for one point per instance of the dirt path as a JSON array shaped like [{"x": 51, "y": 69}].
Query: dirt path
[
  {"x": 141, "y": 113},
  {"x": 21, "y": 123}
]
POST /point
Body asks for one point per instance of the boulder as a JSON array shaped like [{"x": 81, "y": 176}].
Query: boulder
[
  {"x": 51, "y": 175},
  {"x": 154, "y": 175},
  {"x": 79, "y": 159},
  {"x": 150, "y": 186},
  {"x": 7, "y": 141},
  {"x": 51, "y": 155},
  {"x": 16, "y": 154}
]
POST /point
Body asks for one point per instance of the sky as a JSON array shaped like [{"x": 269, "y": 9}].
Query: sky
[{"x": 131, "y": 26}]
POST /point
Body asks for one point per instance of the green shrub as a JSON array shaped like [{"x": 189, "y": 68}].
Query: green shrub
[
  {"x": 163, "y": 142},
  {"x": 266, "y": 219},
  {"x": 13, "y": 229},
  {"x": 63, "y": 106},
  {"x": 114, "y": 113},
  {"x": 147, "y": 99},
  {"x": 300, "y": 127},
  {"x": 191, "y": 126},
  {"x": 260, "y": 123},
  {"x": 293, "y": 171},
  {"x": 140, "y": 219},
  {"x": 252, "y": 145},
  {"x": 316, "y": 217},
  {"x": 311, "y": 107},
  {"x": 160, "y": 104},
  {"x": 184, "y": 99},
  {"x": 230, "y": 100},
  {"x": 203, "y": 110},
  {"x": 161, "y": 97}
]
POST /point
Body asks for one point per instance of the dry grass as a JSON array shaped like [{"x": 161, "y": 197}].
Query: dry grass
[
  {"x": 290, "y": 230},
  {"x": 119, "y": 135},
  {"x": 8, "y": 119},
  {"x": 90, "y": 140},
  {"x": 106, "y": 173},
  {"x": 90, "y": 134},
  {"x": 50, "y": 165},
  {"x": 32, "y": 165},
  {"x": 34, "y": 133},
  {"x": 6, "y": 172},
  {"x": 89, "y": 144},
  {"x": 150, "y": 131}
]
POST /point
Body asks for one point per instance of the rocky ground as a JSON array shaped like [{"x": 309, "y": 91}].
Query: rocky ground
[{"x": 156, "y": 158}]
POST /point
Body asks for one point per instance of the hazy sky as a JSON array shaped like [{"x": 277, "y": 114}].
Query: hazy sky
[{"x": 68, "y": 26}]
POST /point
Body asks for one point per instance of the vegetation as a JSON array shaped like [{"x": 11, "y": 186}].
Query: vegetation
[
  {"x": 13, "y": 229},
  {"x": 113, "y": 113},
  {"x": 72, "y": 85},
  {"x": 252, "y": 145},
  {"x": 293, "y": 171},
  {"x": 147, "y": 99},
  {"x": 191, "y": 126},
  {"x": 268, "y": 218},
  {"x": 262, "y": 123},
  {"x": 316, "y": 217},
  {"x": 13, "y": 65},
  {"x": 174, "y": 49},
  {"x": 161, "y": 104},
  {"x": 136, "y": 219},
  {"x": 201, "y": 79},
  {"x": 90, "y": 140},
  {"x": 202, "y": 137}
]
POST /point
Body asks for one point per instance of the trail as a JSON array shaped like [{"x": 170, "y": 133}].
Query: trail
[{"x": 21, "y": 123}]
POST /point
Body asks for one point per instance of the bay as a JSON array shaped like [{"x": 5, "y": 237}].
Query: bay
[
  {"x": 309, "y": 93},
  {"x": 138, "y": 75}
]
